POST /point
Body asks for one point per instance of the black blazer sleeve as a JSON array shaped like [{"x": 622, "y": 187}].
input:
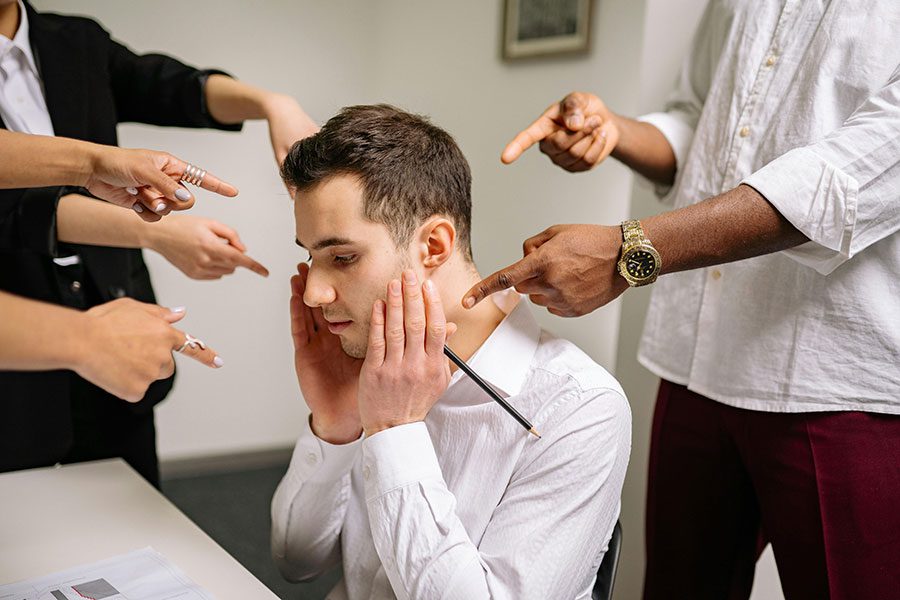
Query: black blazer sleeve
[
  {"x": 28, "y": 219},
  {"x": 86, "y": 67},
  {"x": 157, "y": 89}
]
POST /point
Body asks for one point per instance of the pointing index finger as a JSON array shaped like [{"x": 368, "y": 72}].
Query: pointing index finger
[
  {"x": 217, "y": 186},
  {"x": 210, "y": 182},
  {"x": 534, "y": 133},
  {"x": 248, "y": 263},
  {"x": 503, "y": 279},
  {"x": 198, "y": 350}
]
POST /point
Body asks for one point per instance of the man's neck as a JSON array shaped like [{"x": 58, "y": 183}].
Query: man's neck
[
  {"x": 474, "y": 325},
  {"x": 9, "y": 19}
]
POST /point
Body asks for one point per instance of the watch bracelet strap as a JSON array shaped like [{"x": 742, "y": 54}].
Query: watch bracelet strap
[{"x": 632, "y": 232}]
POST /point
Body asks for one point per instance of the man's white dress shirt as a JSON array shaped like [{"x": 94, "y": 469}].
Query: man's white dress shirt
[
  {"x": 467, "y": 505},
  {"x": 801, "y": 101},
  {"x": 22, "y": 105}
]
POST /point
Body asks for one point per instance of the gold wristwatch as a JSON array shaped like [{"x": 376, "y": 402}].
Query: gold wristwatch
[{"x": 640, "y": 262}]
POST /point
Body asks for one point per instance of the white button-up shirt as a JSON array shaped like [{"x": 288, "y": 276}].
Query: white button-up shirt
[
  {"x": 467, "y": 504},
  {"x": 22, "y": 105},
  {"x": 801, "y": 101}
]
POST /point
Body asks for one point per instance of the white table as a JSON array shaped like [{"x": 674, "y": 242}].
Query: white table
[{"x": 56, "y": 518}]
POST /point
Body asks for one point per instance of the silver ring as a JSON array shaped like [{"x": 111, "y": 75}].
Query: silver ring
[
  {"x": 193, "y": 175},
  {"x": 191, "y": 341}
]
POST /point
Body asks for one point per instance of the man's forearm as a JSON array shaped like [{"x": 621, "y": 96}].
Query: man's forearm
[
  {"x": 644, "y": 149},
  {"x": 83, "y": 220},
  {"x": 736, "y": 225}
]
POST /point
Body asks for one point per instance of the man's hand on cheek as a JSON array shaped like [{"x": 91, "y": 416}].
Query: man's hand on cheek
[
  {"x": 328, "y": 377},
  {"x": 405, "y": 370}
]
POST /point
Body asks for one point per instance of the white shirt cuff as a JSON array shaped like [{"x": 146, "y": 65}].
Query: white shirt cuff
[
  {"x": 315, "y": 460},
  {"x": 818, "y": 199},
  {"x": 678, "y": 133},
  {"x": 397, "y": 457}
]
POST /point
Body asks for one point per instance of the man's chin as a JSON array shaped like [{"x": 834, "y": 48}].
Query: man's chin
[{"x": 353, "y": 349}]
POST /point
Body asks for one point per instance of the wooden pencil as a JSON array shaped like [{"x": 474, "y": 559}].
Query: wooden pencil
[{"x": 490, "y": 391}]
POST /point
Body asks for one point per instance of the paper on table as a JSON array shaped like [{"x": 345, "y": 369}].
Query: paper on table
[{"x": 139, "y": 575}]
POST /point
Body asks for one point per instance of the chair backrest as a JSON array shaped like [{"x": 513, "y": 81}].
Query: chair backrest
[{"x": 606, "y": 574}]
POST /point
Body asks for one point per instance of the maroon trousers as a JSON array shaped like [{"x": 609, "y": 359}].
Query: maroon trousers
[{"x": 823, "y": 488}]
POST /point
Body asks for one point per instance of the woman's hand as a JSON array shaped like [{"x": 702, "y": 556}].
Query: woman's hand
[{"x": 201, "y": 248}]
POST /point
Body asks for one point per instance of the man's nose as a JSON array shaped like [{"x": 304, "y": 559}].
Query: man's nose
[{"x": 318, "y": 291}]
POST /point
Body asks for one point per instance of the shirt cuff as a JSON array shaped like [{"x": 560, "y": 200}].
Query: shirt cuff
[
  {"x": 679, "y": 135},
  {"x": 818, "y": 199},
  {"x": 397, "y": 457},
  {"x": 317, "y": 461}
]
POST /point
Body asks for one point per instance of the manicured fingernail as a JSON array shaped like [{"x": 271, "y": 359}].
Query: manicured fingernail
[
  {"x": 131, "y": 190},
  {"x": 138, "y": 208},
  {"x": 469, "y": 302},
  {"x": 428, "y": 285},
  {"x": 182, "y": 194},
  {"x": 177, "y": 309},
  {"x": 160, "y": 206},
  {"x": 218, "y": 362},
  {"x": 409, "y": 276},
  {"x": 395, "y": 287}
]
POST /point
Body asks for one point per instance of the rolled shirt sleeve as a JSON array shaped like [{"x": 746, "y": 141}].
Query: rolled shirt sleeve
[
  {"x": 842, "y": 192},
  {"x": 678, "y": 128}
]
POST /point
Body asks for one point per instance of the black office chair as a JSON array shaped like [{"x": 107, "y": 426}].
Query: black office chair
[{"x": 606, "y": 574}]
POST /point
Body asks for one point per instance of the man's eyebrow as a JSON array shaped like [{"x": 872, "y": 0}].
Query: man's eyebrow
[{"x": 326, "y": 243}]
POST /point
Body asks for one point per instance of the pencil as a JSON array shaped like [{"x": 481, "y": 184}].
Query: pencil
[{"x": 490, "y": 391}]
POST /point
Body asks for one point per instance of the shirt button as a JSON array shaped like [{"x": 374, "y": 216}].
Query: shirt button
[
  {"x": 75, "y": 286},
  {"x": 716, "y": 274},
  {"x": 771, "y": 60},
  {"x": 744, "y": 131},
  {"x": 367, "y": 472},
  {"x": 311, "y": 458}
]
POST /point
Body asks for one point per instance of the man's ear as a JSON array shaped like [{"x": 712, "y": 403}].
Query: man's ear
[{"x": 437, "y": 241}]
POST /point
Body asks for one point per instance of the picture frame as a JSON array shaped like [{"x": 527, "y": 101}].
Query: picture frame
[{"x": 534, "y": 28}]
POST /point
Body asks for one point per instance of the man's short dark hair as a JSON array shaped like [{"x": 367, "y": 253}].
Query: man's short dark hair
[{"x": 410, "y": 169}]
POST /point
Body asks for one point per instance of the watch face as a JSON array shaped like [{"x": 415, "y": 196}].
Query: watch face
[{"x": 640, "y": 264}]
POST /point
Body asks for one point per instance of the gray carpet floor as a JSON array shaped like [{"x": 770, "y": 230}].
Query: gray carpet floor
[{"x": 233, "y": 508}]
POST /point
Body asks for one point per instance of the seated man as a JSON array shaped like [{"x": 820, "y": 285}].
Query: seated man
[{"x": 415, "y": 480}]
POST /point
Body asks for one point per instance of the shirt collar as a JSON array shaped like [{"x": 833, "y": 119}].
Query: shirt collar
[
  {"x": 21, "y": 39},
  {"x": 505, "y": 357}
]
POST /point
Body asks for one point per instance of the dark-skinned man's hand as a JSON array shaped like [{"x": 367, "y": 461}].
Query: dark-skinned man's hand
[
  {"x": 570, "y": 269},
  {"x": 577, "y": 133}
]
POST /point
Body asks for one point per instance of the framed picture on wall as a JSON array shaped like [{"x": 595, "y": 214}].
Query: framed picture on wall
[{"x": 545, "y": 27}]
